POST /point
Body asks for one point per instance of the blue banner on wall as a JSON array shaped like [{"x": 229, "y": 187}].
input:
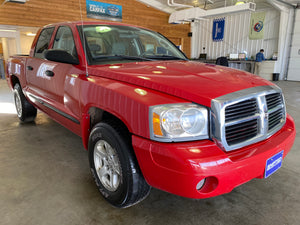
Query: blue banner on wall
[
  {"x": 104, "y": 11},
  {"x": 218, "y": 29}
]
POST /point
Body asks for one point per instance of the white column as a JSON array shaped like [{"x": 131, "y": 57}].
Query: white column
[
  {"x": 194, "y": 40},
  {"x": 284, "y": 42},
  {"x": 18, "y": 43},
  {"x": 5, "y": 49},
  {"x": 284, "y": 39}
]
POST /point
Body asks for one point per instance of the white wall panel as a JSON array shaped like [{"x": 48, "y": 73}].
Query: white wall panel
[
  {"x": 26, "y": 42},
  {"x": 295, "y": 51},
  {"x": 294, "y": 62},
  {"x": 236, "y": 36},
  {"x": 297, "y": 29}
]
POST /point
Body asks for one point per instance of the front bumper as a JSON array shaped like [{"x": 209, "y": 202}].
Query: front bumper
[{"x": 178, "y": 167}]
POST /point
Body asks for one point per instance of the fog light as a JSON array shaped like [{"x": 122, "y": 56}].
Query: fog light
[{"x": 200, "y": 184}]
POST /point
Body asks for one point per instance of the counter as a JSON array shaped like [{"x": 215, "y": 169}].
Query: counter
[{"x": 266, "y": 69}]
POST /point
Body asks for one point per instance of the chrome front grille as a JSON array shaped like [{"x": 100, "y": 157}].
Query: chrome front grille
[
  {"x": 273, "y": 100},
  {"x": 241, "y": 110},
  {"x": 275, "y": 118},
  {"x": 246, "y": 117},
  {"x": 241, "y": 132},
  {"x": 276, "y": 112}
]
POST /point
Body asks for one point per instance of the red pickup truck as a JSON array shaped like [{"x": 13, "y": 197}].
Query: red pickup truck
[{"x": 147, "y": 115}]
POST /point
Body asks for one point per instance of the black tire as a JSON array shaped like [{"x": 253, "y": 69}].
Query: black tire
[
  {"x": 129, "y": 187},
  {"x": 25, "y": 110}
]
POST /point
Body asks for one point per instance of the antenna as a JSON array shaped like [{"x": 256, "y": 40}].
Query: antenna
[{"x": 84, "y": 45}]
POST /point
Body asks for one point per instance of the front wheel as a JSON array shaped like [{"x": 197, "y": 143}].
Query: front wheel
[
  {"x": 114, "y": 166},
  {"x": 25, "y": 110}
]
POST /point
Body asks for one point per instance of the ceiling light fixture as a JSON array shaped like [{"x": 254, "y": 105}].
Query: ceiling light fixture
[
  {"x": 173, "y": 4},
  {"x": 239, "y": 3},
  {"x": 196, "y": 13},
  {"x": 2, "y": 30},
  {"x": 15, "y": 1},
  {"x": 30, "y": 34}
]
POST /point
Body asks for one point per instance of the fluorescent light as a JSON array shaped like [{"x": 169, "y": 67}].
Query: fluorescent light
[
  {"x": 8, "y": 30},
  {"x": 30, "y": 34},
  {"x": 196, "y": 13},
  {"x": 16, "y": 1},
  {"x": 239, "y": 3}
]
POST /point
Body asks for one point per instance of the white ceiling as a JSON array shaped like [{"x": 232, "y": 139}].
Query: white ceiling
[{"x": 208, "y": 4}]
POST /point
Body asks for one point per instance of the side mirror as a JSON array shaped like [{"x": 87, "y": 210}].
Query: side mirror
[{"x": 60, "y": 56}]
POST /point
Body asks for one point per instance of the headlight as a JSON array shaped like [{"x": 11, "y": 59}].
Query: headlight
[{"x": 178, "y": 122}]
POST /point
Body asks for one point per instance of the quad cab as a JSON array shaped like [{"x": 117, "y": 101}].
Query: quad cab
[{"x": 147, "y": 115}]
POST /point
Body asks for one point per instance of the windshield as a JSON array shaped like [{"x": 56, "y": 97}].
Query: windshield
[{"x": 113, "y": 44}]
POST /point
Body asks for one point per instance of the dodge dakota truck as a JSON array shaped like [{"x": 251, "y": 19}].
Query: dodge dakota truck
[{"x": 147, "y": 115}]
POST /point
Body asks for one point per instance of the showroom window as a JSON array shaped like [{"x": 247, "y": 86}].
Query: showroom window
[
  {"x": 64, "y": 41},
  {"x": 43, "y": 42}
]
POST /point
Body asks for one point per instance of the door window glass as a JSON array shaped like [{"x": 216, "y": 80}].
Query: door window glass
[
  {"x": 43, "y": 42},
  {"x": 64, "y": 41}
]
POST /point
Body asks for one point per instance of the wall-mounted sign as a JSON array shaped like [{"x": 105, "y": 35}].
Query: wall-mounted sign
[
  {"x": 218, "y": 29},
  {"x": 257, "y": 26},
  {"x": 104, "y": 11}
]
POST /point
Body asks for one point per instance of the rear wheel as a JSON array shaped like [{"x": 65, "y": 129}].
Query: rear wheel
[
  {"x": 114, "y": 166},
  {"x": 25, "y": 110}
]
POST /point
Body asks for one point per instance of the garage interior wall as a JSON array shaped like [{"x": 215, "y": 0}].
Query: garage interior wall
[
  {"x": 294, "y": 65},
  {"x": 26, "y": 43},
  {"x": 38, "y": 13},
  {"x": 236, "y": 36}
]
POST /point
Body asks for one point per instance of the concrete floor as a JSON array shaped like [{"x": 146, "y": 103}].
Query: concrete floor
[{"x": 45, "y": 179}]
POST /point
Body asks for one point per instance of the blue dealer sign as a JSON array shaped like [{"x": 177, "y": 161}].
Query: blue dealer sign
[
  {"x": 105, "y": 11},
  {"x": 218, "y": 29}
]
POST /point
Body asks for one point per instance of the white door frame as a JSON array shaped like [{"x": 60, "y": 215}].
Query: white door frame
[{"x": 10, "y": 32}]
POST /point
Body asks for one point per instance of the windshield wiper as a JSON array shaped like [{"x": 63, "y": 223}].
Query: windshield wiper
[
  {"x": 122, "y": 57},
  {"x": 133, "y": 57},
  {"x": 165, "y": 57}
]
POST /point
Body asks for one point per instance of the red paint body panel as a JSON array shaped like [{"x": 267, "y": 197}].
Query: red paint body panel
[
  {"x": 193, "y": 81},
  {"x": 177, "y": 167},
  {"x": 122, "y": 100},
  {"x": 127, "y": 91}
]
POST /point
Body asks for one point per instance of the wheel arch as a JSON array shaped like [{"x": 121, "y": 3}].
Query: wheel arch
[
  {"x": 95, "y": 115},
  {"x": 14, "y": 80},
  {"x": 132, "y": 187}
]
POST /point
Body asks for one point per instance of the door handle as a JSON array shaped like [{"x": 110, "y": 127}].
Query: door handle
[
  {"x": 29, "y": 67},
  {"x": 49, "y": 73}
]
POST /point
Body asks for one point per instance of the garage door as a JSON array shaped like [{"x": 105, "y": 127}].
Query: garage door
[{"x": 294, "y": 65}]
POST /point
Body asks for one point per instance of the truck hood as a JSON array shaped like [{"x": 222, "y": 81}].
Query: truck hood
[{"x": 192, "y": 81}]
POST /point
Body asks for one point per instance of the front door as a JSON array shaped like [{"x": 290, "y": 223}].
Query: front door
[{"x": 54, "y": 84}]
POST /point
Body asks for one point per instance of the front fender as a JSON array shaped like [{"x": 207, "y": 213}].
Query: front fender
[{"x": 127, "y": 102}]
